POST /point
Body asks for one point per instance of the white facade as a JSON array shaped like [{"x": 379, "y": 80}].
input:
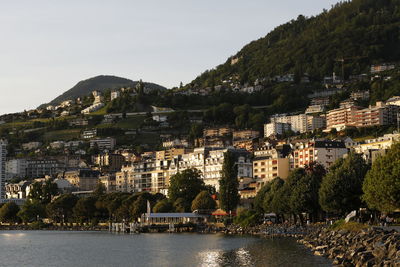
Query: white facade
[
  {"x": 301, "y": 123},
  {"x": 115, "y": 94},
  {"x": 275, "y": 128},
  {"x": 3, "y": 153}
]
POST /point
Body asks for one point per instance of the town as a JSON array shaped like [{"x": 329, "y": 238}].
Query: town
[{"x": 93, "y": 154}]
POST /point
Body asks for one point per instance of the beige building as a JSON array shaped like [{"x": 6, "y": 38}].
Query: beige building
[
  {"x": 109, "y": 162},
  {"x": 266, "y": 169},
  {"x": 84, "y": 180}
]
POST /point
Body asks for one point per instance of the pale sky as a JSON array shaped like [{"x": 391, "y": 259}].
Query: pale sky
[{"x": 47, "y": 46}]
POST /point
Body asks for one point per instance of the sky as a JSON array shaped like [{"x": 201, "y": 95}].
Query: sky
[{"x": 47, "y": 46}]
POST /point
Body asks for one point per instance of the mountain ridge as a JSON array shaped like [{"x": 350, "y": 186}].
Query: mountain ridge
[{"x": 100, "y": 83}]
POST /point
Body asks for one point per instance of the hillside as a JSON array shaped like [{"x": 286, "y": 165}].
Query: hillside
[
  {"x": 99, "y": 83},
  {"x": 362, "y": 32}
]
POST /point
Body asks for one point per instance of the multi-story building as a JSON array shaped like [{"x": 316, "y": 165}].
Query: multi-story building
[
  {"x": 376, "y": 144},
  {"x": 209, "y": 162},
  {"x": 323, "y": 152},
  {"x": 3, "y": 154},
  {"x": 170, "y": 154},
  {"x": 88, "y": 134},
  {"x": 382, "y": 67},
  {"x": 217, "y": 137},
  {"x": 341, "y": 118},
  {"x": 394, "y": 100},
  {"x": 267, "y": 168},
  {"x": 215, "y": 161},
  {"x": 109, "y": 182},
  {"x": 17, "y": 190},
  {"x": 16, "y": 168},
  {"x": 300, "y": 123},
  {"x": 245, "y": 135},
  {"x": 378, "y": 115},
  {"x": 146, "y": 175},
  {"x": 106, "y": 143},
  {"x": 109, "y": 162},
  {"x": 315, "y": 109},
  {"x": 83, "y": 180},
  {"x": 276, "y": 128},
  {"x": 41, "y": 167}
]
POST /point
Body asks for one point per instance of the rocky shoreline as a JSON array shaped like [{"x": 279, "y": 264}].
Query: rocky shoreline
[{"x": 368, "y": 247}]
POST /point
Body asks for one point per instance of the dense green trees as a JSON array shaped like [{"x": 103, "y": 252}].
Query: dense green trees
[
  {"x": 228, "y": 184},
  {"x": 203, "y": 201},
  {"x": 163, "y": 206},
  {"x": 32, "y": 210},
  {"x": 61, "y": 209},
  {"x": 8, "y": 213},
  {"x": 382, "y": 184},
  {"x": 362, "y": 32},
  {"x": 43, "y": 192},
  {"x": 185, "y": 186},
  {"x": 341, "y": 188}
]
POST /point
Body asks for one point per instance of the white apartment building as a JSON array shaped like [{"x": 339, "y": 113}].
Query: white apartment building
[
  {"x": 301, "y": 123},
  {"x": 3, "y": 154},
  {"x": 209, "y": 162},
  {"x": 275, "y": 128},
  {"x": 381, "y": 143}
]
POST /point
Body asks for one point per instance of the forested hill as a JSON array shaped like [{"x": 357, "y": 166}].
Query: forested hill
[
  {"x": 100, "y": 83},
  {"x": 362, "y": 32}
]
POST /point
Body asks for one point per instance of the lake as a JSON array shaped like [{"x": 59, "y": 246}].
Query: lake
[{"x": 63, "y": 248}]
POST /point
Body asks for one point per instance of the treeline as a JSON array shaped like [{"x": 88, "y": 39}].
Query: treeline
[
  {"x": 349, "y": 185},
  {"x": 362, "y": 32}
]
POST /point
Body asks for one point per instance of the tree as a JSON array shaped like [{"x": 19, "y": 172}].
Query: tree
[
  {"x": 43, "y": 192},
  {"x": 8, "y": 212},
  {"x": 186, "y": 185},
  {"x": 382, "y": 183},
  {"x": 341, "y": 188},
  {"x": 99, "y": 190},
  {"x": 61, "y": 208},
  {"x": 203, "y": 201},
  {"x": 31, "y": 211},
  {"x": 85, "y": 209},
  {"x": 163, "y": 206},
  {"x": 229, "y": 183},
  {"x": 269, "y": 191}
]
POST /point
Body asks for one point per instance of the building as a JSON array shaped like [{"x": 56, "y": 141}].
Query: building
[
  {"x": 369, "y": 146},
  {"x": 17, "y": 190},
  {"x": 109, "y": 162},
  {"x": 41, "y": 167},
  {"x": 115, "y": 94},
  {"x": 78, "y": 122},
  {"x": 109, "y": 182},
  {"x": 382, "y": 67},
  {"x": 267, "y": 168},
  {"x": 360, "y": 95},
  {"x": 3, "y": 154},
  {"x": 394, "y": 100},
  {"x": 209, "y": 162},
  {"x": 176, "y": 143},
  {"x": 31, "y": 145},
  {"x": 323, "y": 152},
  {"x": 315, "y": 109},
  {"x": 83, "y": 180},
  {"x": 217, "y": 137},
  {"x": 341, "y": 118},
  {"x": 245, "y": 135},
  {"x": 146, "y": 175},
  {"x": 300, "y": 123},
  {"x": 88, "y": 134},
  {"x": 106, "y": 143},
  {"x": 172, "y": 153},
  {"x": 276, "y": 128},
  {"x": 16, "y": 168},
  {"x": 378, "y": 115}
]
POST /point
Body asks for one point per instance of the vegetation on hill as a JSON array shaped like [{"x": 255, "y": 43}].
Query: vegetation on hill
[
  {"x": 362, "y": 32},
  {"x": 100, "y": 83}
]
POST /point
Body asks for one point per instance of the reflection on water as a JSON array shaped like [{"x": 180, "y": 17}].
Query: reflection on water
[{"x": 47, "y": 248}]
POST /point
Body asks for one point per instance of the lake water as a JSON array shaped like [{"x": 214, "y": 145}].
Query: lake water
[{"x": 54, "y": 248}]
